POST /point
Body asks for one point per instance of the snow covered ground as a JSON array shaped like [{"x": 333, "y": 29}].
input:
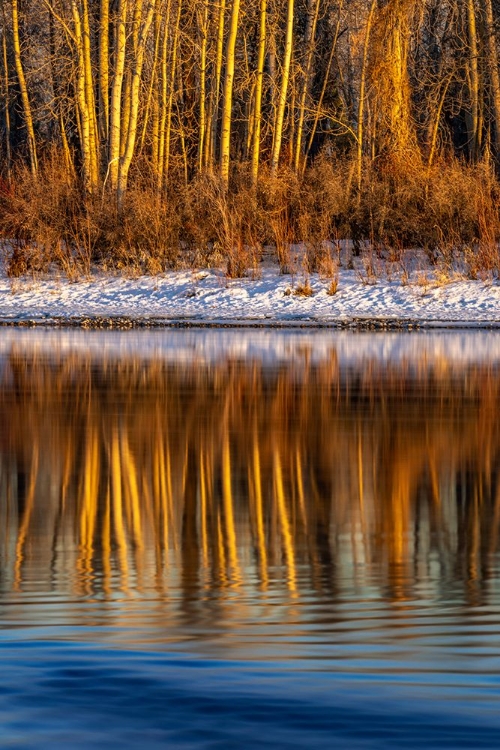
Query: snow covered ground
[{"x": 209, "y": 297}]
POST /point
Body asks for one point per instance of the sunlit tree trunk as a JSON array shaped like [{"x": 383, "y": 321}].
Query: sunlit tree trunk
[
  {"x": 116, "y": 93},
  {"x": 60, "y": 100},
  {"x": 104, "y": 70},
  {"x": 474, "y": 133},
  {"x": 202, "y": 123},
  {"x": 285, "y": 76},
  {"x": 90, "y": 176},
  {"x": 89, "y": 95},
  {"x": 6, "y": 93},
  {"x": 141, "y": 33},
  {"x": 126, "y": 103},
  {"x": 312, "y": 19},
  {"x": 362, "y": 93},
  {"x": 152, "y": 109},
  {"x": 68, "y": 159},
  {"x": 159, "y": 150},
  {"x": 492, "y": 56},
  {"x": 261, "y": 56},
  {"x": 216, "y": 88},
  {"x": 227, "y": 101},
  {"x": 23, "y": 88},
  {"x": 271, "y": 63},
  {"x": 171, "y": 92}
]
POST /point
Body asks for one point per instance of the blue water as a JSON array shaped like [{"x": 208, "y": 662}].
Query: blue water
[
  {"x": 247, "y": 554},
  {"x": 66, "y": 694}
]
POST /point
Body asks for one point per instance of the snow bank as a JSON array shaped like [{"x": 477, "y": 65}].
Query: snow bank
[{"x": 209, "y": 297}]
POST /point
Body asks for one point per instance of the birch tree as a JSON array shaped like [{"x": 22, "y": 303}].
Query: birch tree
[
  {"x": 261, "y": 56},
  {"x": 285, "y": 76},
  {"x": 492, "y": 66},
  {"x": 23, "y": 87},
  {"x": 143, "y": 19},
  {"x": 227, "y": 100}
]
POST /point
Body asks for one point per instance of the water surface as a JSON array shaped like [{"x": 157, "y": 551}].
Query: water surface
[{"x": 246, "y": 539}]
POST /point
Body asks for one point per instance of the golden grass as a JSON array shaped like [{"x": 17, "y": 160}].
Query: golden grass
[{"x": 451, "y": 211}]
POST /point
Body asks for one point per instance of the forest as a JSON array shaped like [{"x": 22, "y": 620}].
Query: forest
[{"x": 149, "y": 133}]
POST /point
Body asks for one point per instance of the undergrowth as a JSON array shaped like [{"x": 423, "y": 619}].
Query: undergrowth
[{"x": 450, "y": 211}]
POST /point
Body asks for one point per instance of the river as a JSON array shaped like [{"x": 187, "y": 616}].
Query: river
[{"x": 249, "y": 539}]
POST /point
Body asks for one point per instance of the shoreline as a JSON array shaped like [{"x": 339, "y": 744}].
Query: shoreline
[
  {"x": 208, "y": 299},
  {"x": 356, "y": 323}
]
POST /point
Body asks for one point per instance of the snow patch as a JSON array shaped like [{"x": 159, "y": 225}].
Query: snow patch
[{"x": 211, "y": 298}]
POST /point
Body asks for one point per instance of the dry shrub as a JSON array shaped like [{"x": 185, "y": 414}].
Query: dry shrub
[
  {"x": 238, "y": 228},
  {"x": 143, "y": 237},
  {"x": 248, "y": 220},
  {"x": 327, "y": 266},
  {"x": 199, "y": 222},
  {"x": 451, "y": 200},
  {"x": 388, "y": 210},
  {"x": 219, "y": 227},
  {"x": 446, "y": 209},
  {"x": 38, "y": 217},
  {"x": 333, "y": 286},
  {"x": 323, "y": 210},
  {"x": 462, "y": 215},
  {"x": 50, "y": 221},
  {"x": 451, "y": 210},
  {"x": 304, "y": 289},
  {"x": 279, "y": 198}
]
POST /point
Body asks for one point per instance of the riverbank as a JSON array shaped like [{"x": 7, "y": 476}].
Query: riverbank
[{"x": 266, "y": 298}]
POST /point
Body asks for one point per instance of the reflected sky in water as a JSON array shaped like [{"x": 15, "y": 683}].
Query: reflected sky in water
[{"x": 219, "y": 539}]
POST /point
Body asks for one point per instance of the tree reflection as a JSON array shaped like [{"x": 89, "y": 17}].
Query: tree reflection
[{"x": 120, "y": 476}]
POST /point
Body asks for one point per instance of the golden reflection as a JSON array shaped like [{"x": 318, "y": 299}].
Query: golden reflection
[{"x": 122, "y": 474}]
